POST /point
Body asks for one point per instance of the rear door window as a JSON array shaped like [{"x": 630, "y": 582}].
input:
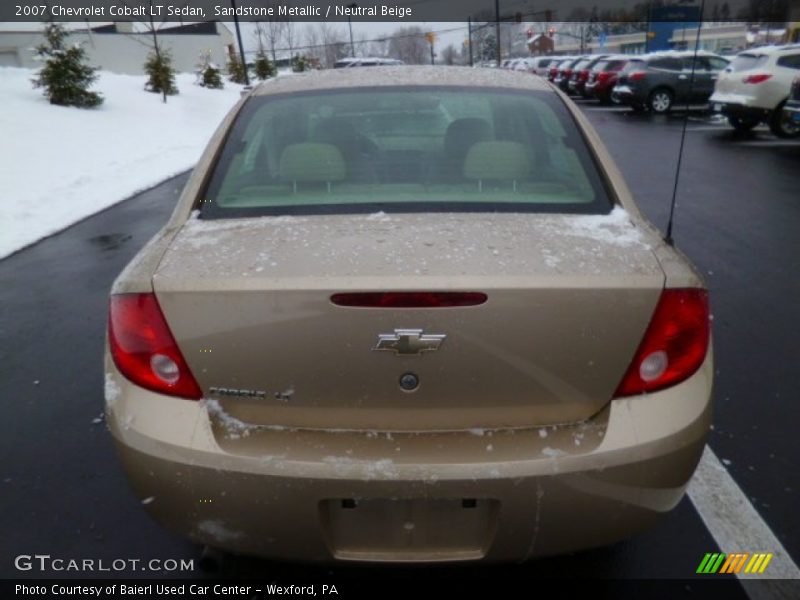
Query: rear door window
[
  {"x": 791, "y": 61},
  {"x": 404, "y": 150},
  {"x": 745, "y": 62}
]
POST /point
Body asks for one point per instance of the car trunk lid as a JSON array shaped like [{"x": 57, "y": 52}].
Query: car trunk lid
[{"x": 569, "y": 298}]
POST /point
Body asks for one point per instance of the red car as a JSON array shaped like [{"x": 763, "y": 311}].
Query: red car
[
  {"x": 603, "y": 77},
  {"x": 552, "y": 71},
  {"x": 580, "y": 74}
]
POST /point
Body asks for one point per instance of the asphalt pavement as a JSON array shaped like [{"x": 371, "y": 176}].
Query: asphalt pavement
[{"x": 63, "y": 493}]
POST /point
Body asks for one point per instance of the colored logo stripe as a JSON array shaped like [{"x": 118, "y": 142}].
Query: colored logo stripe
[
  {"x": 719, "y": 562},
  {"x": 758, "y": 563}
]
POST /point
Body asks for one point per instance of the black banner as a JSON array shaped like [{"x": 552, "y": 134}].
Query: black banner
[
  {"x": 388, "y": 10},
  {"x": 387, "y": 586}
]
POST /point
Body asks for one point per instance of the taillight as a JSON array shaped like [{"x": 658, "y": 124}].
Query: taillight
[
  {"x": 143, "y": 348},
  {"x": 636, "y": 75},
  {"x": 674, "y": 345},
  {"x": 603, "y": 76},
  {"x": 408, "y": 299},
  {"x": 757, "y": 78}
]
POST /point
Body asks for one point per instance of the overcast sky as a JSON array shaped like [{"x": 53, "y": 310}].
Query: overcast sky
[{"x": 447, "y": 33}]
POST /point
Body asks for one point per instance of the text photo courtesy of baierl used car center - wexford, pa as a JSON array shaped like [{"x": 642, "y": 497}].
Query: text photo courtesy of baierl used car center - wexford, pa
[{"x": 473, "y": 298}]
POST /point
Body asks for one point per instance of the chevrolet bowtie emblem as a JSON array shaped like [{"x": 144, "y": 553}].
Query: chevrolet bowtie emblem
[{"x": 409, "y": 341}]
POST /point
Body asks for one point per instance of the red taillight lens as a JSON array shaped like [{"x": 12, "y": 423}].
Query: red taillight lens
[
  {"x": 603, "y": 76},
  {"x": 143, "y": 348},
  {"x": 674, "y": 345},
  {"x": 409, "y": 299},
  {"x": 757, "y": 78},
  {"x": 636, "y": 75}
]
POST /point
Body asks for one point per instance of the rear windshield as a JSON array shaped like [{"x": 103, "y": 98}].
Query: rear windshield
[
  {"x": 635, "y": 64},
  {"x": 404, "y": 150},
  {"x": 745, "y": 62}
]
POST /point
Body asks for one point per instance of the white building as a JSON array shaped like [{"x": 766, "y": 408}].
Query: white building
[{"x": 121, "y": 47}]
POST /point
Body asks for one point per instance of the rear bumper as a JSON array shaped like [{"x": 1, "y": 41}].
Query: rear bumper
[
  {"x": 629, "y": 95},
  {"x": 738, "y": 105},
  {"x": 494, "y": 496}
]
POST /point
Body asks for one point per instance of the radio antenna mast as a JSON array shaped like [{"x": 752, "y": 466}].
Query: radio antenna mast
[{"x": 668, "y": 235}]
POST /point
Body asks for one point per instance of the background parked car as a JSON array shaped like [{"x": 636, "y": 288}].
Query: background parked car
[
  {"x": 657, "y": 81},
  {"x": 565, "y": 72},
  {"x": 580, "y": 74},
  {"x": 791, "y": 109},
  {"x": 755, "y": 88},
  {"x": 541, "y": 64},
  {"x": 552, "y": 72},
  {"x": 603, "y": 77}
]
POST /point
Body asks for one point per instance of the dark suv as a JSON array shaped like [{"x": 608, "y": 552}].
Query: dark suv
[
  {"x": 603, "y": 77},
  {"x": 791, "y": 110},
  {"x": 657, "y": 81}
]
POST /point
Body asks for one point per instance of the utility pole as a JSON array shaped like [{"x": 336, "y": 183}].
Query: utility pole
[
  {"x": 350, "y": 26},
  {"x": 431, "y": 37},
  {"x": 241, "y": 46},
  {"x": 497, "y": 30},
  {"x": 469, "y": 38}
]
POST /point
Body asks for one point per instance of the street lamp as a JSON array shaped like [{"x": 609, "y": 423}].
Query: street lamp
[
  {"x": 241, "y": 46},
  {"x": 350, "y": 25}
]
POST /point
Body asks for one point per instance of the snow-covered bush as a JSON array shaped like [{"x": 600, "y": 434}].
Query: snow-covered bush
[{"x": 65, "y": 76}]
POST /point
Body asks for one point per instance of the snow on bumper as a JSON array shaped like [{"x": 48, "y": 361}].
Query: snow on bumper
[{"x": 496, "y": 496}]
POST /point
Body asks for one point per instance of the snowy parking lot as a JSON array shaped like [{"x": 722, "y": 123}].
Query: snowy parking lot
[{"x": 60, "y": 165}]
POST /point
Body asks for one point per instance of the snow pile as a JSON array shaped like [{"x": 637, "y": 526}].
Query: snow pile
[
  {"x": 614, "y": 228},
  {"x": 61, "y": 164}
]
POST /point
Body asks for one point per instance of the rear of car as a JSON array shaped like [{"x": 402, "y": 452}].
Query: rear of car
[
  {"x": 565, "y": 73},
  {"x": 603, "y": 77},
  {"x": 658, "y": 81},
  {"x": 552, "y": 69},
  {"x": 402, "y": 322},
  {"x": 792, "y": 107},
  {"x": 755, "y": 89},
  {"x": 580, "y": 75},
  {"x": 541, "y": 65}
]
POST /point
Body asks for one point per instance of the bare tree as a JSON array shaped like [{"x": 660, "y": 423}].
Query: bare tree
[
  {"x": 409, "y": 45},
  {"x": 333, "y": 42},
  {"x": 379, "y": 48},
  {"x": 361, "y": 44},
  {"x": 450, "y": 56},
  {"x": 269, "y": 35},
  {"x": 290, "y": 36},
  {"x": 313, "y": 47}
]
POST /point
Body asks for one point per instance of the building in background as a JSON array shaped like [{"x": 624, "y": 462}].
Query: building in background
[{"x": 121, "y": 47}]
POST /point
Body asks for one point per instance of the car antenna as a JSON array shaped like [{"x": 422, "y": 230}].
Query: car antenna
[{"x": 668, "y": 235}]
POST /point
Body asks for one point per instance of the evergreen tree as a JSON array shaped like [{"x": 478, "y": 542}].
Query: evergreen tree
[
  {"x": 161, "y": 74},
  {"x": 264, "y": 69},
  {"x": 235, "y": 68},
  {"x": 301, "y": 63},
  {"x": 208, "y": 74},
  {"x": 212, "y": 78},
  {"x": 65, "y": 77}
]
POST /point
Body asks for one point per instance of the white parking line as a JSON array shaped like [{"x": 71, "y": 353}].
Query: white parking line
[
  {"x": 772, "y": 143},
  {"x": 606, "y": 108},
  {"x": 736, "y": 526}
]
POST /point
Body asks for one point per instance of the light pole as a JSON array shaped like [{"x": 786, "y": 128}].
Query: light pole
[
  {"x": 497, "y": 29},
  {"x": 469, "y": 38},
  {"x": 241, "y": 46},
  {"x": 350, "y": 26}
]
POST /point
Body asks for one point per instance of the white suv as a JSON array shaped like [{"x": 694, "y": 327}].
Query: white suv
[{"x": 754, "y": 88}]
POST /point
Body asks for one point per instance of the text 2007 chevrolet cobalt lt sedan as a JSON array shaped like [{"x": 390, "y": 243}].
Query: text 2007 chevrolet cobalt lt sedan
[{"x": 410, "y": 314}]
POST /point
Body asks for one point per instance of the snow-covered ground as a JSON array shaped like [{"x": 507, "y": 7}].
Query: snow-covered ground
[{"x": 59, "y": 165}]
